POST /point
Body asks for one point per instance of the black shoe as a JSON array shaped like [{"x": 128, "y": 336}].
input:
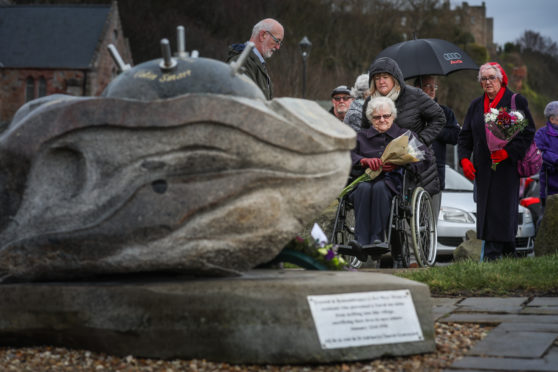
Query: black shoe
[
  {"x": 376, "y": 249},
  {"x": 357, "y": 251}
]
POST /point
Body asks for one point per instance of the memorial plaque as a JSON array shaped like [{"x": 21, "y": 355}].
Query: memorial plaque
[{"x": 365, "y": 318}]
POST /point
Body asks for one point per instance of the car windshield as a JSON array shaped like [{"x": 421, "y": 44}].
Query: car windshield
[{"x": 456, "y": 181}]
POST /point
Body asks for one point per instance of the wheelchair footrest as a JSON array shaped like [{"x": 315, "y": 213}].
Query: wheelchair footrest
[
  {"x": 363, "y": 251},
  {"x": 376, "y": 249},
  {"x": 353, "y": 249}
]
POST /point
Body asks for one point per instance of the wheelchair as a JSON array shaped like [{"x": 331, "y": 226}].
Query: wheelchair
[{"x": 411, "y": 226}]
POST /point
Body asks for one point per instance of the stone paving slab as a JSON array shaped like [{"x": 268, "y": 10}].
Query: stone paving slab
[
  {"x": 514, "y": 344},
  {"x": 552, "y": 355},
  {"x": 545, "y": 310},
  {"x": 527, "y": 327},
  {"x": 524, "y": 340},
  {"x": 498, "y": 318},
  {"x": 544, "y": 301},
  {"x": 503, "y": 364},
  {"x": 492, "y": 304},
  {"x": 441, "y": 306}
]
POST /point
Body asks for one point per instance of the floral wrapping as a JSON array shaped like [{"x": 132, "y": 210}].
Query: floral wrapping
[
  {"x": 400, "y": 151},
  {"x": 501, "y": 127}
]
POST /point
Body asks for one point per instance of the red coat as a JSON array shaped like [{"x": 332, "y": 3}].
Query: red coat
[{"x": 497, "y": 192}]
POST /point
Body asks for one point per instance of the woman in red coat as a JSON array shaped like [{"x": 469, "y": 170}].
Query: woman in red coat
[{"x": 497, "y": 191}]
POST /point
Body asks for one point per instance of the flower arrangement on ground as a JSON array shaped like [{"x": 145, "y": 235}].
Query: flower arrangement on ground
[
  {"x": 501, "y": 127},
  {"x": 325, "y": 254}
]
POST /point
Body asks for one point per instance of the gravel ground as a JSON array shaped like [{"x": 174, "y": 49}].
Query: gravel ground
[{"x": 452, "y": 341}]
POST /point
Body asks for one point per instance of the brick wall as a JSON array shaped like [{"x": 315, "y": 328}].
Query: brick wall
[{"x": 91, "y": 82}]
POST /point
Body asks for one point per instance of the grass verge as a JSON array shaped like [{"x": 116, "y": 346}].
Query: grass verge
[{"x": 506, "y": 277}]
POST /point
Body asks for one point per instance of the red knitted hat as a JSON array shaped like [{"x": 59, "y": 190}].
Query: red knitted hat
[{"x": 504, "y": 76}]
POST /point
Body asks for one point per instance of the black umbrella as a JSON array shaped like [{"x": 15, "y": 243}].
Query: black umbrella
[{"x": 428, "y": 57}]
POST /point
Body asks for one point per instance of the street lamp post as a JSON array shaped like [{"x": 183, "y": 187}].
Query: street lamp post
[{"x": 305, "y": 46}]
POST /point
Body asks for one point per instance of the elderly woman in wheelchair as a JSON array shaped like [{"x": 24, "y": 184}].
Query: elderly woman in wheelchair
[{"x": 373, "y": 200}]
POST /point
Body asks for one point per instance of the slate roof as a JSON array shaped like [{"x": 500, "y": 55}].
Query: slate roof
[{"x": 50, "y": 36}]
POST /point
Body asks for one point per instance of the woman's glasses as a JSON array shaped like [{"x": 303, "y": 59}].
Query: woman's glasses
[
  {"x": 484, "y": 79},
  {"x": 378, "y": 117}
]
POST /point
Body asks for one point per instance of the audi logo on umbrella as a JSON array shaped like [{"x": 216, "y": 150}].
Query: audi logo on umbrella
[
  {"x": 450, "y": 56},
  {"x": 428, "y": 56}
]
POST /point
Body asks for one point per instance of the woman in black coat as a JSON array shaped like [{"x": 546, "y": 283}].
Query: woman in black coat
[
  {"x": 372, "y": 199},
  {"x": 415, "y": 110},
  {"x": 497, "y": 191}
]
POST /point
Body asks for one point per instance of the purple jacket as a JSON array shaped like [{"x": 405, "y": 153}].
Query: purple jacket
[{"x": 546, "y": 140}]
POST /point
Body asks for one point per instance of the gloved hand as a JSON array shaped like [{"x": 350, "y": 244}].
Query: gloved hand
[
  {"x": 372, "y": 163},
  {"x": 499, "y": 155},
  {"x": 388, "y": 167},
  {"x": 468, "y": 169}
]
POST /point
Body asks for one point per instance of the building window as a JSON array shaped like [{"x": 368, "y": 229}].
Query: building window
[
  {"x": 29, "y": 89},
  {"x": 472, "y": 20},
  {"x": 403, "y": 21},
  {"x": 42, "y": 87},
  {"x": 115, "y": 34}
]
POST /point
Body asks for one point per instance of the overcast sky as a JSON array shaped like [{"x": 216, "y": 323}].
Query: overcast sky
[{"x": 513, "y": 17}]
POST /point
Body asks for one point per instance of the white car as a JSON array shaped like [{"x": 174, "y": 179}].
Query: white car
[{"x": 458, "y": 215}]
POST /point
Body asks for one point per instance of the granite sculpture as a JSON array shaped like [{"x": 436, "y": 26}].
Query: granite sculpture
[{"x": 181, "y": 166}]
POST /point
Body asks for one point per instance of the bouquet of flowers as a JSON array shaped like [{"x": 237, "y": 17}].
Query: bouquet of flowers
[
  {"x": 324, "y": 254},
  {"x": 400, "y": 151},
  {"x": 501, "y": 127}
]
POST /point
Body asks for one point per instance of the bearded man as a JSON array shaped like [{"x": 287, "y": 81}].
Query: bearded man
[{"x": 267, "y": 36}]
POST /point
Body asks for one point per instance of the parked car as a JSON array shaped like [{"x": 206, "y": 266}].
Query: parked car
[{"x": 458, "y": 215}]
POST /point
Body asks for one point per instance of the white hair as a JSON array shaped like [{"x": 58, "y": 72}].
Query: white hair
[
  {"x": 378, "y": 102},
  {"x": 361, "y": 86},
  {"x": 497, "y": 71},
  {"x": 263, "y": 25}
]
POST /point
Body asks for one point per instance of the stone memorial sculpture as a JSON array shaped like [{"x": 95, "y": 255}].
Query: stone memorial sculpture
[
  {"x": 180, "y": 166},
  {"x": 130, "y": 224}
]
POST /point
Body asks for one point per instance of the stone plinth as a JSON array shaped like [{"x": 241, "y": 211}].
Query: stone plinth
[{"x": 262, "y": 316}]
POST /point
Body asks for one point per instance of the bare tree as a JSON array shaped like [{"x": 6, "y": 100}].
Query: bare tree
[{"x": 532, "y": 40}]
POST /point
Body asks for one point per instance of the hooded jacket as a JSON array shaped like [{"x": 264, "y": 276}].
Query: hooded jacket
[
  {"x": 415, "y": 109},
  {"x": 253, "y": 68}
]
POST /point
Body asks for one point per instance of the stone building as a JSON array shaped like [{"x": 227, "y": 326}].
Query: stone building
[
  {"x": 474, "y": 19},
  {"x": 48, "y": 49}
]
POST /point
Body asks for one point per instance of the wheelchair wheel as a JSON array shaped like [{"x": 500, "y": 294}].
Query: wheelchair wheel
[
  {"x": 344, "y": 232},
  {"x": 400, "y": 247},
  {"x": 423, "y": 228}
]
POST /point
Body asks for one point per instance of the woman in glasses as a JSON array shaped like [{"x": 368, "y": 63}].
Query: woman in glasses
[
  {"x": 372, "y": 200},
  {"x": 416, "y": 111},
  {"x": 497, "y": 190}
]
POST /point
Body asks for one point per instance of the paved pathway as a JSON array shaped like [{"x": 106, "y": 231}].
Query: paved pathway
[{"x": 525, "y": 337}]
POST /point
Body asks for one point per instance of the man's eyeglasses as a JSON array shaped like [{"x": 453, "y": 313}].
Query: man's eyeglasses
[
  {"x": 343, "y": 98},
  {"x": 378, "y": 117},
  {"x": 279, "y": 42},
  {"x": 491, "y": 78}
]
